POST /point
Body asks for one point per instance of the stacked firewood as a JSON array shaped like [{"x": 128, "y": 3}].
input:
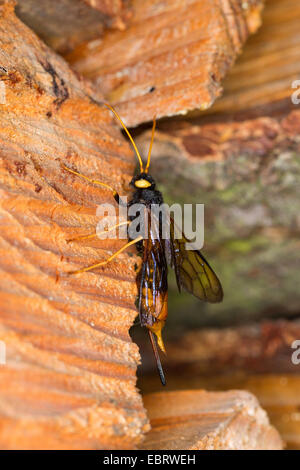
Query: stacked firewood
[{"x": 69, "y": 379}]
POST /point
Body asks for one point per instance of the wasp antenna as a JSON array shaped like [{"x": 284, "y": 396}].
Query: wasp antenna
[
  {"x": 150, "y": 146},
  {"x": 128, "y": 133},
  {"x": 156, "y": 354}
]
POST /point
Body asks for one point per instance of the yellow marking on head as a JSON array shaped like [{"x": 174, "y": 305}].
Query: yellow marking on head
[{"x": 142, "y": 184}]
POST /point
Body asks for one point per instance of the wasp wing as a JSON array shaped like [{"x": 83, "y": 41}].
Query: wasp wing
[
  {"x": 153, "y": 282},
  {"x": 193, "y": 272}
]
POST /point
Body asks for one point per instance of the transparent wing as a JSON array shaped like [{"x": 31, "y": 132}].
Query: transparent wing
[{"x": 193, "y": 272}]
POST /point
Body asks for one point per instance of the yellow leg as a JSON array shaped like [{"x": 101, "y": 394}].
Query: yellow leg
[
  {"x": 95, "y": 234},
  {"x": 84, "y": 237},
  {"x": 94, "y": 266},
  {"x": 91, "y": 180}
]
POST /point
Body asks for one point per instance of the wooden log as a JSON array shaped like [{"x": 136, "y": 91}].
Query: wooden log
[
  {"x": 246, "y": 172},
  {"x": 256, "y": 357},
  {"x": 171, "y": 58},
  {"x": 200, "y": 420},
  {"x": 263, "y": 75},
  {"x": 65, "y": 24},
  {"x": 277, "y": 393},
  {"x": 264, "y": 347},
  {"x": 70, "y": 373}
]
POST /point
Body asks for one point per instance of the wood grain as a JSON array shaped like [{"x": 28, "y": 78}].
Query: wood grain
[
  {"x": 200, "y": 420},
  {"x": 255, "y": 357},
  {"x": 69, "y": 380},
  {"x": 277, "y": 393},
  {"x": 269, "y": 64},
  {"x": 171, "y": 58}
]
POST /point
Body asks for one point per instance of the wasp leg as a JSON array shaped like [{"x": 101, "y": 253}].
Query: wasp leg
[
  {"x": 96, "y": 234},
  {"x": 94, "y": 266},
  {"x": 84, "y": 237},
  {"x": 107, "y": 186}
]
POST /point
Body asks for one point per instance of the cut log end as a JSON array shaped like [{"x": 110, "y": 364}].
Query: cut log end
[
  {"x": 70, "y": 373},
  {"x": 200, "y": 420},
  {"x": 171, "y": 58}
]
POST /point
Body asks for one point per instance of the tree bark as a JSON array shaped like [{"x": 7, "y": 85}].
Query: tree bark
[{"x": 70, "y": 373}]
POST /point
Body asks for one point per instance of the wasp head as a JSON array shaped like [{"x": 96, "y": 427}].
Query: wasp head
[{"x": 143, "y": 181}]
